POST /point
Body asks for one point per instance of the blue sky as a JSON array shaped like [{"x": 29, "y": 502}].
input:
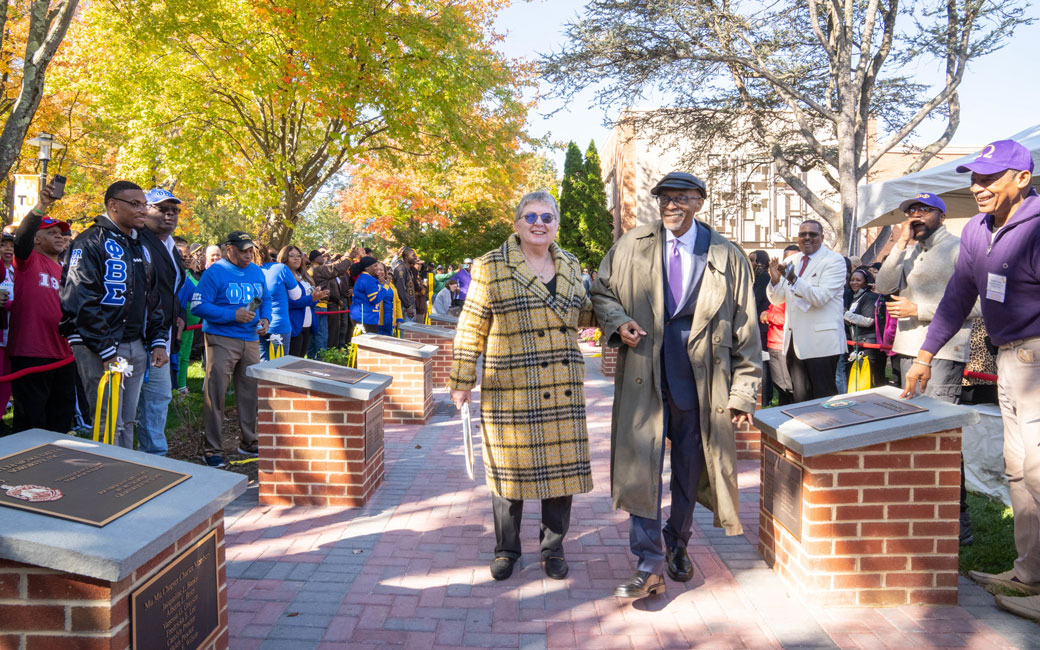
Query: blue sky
[{"x": 999, "y": 94}]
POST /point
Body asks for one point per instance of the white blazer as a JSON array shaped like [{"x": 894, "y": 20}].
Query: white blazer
[{"x": 815, "y": 308}]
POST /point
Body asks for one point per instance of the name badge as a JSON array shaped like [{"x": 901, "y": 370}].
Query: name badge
[{"x": 996, "y": 286}]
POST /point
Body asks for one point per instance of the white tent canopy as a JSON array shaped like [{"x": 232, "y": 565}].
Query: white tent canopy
[{"x": 878, "y": 203}]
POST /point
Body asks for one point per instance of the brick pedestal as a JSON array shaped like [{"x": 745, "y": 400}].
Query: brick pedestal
[
  {"x": 441, "y": 337},
  {"x": 879, "y": 524},
  {"x": 44, "y": 609},
  {"x": 443, "y": 320},
  {"x": 318, "y": 449},
  {"x": 409, "y": 399},
  {"x": 864, "y": 514},
  {"x": 608, "y": 358},
  {"x": 320, "y": 431}
]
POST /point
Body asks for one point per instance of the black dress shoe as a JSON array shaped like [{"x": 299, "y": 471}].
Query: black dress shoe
[
  {"x": 641, "y": 585},
  {"x": 555, "y": 568},
  {"x": 678, "y": 563},
  {"x": 502, "y": 567}
]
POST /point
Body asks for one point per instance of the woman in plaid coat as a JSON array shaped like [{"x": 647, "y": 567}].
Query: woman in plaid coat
[{"x": 522, "y": 312}]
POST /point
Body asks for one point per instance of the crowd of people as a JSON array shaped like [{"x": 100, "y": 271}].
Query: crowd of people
[
  {"x": 126, "y": 296},
  {"x": 690, "y": 317}
]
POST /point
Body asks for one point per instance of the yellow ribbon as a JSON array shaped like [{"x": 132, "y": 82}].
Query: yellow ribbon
[{"x": 111, "y": 383}]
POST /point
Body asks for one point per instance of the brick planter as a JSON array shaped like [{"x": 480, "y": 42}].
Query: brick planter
[
  {"x": 441, "y": 337},
  {"x": 409, "y": 399},
  {"x": 873, "y": 524},
  {"x": 321, "y": 440}
]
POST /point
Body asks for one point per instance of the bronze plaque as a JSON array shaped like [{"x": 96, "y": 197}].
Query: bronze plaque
[
  {"x": 78, "y": 485},
  {"x": 847, "y": 410},
  {"x": 178, "y": 609},
  {"x": 782, "y": 491},
  {"x": 373, "y": 430},
  {"x": 328, "y": 371},
  {"x": 399, "y": 342}
]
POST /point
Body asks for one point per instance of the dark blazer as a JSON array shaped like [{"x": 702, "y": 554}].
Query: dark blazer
[{"x": 676, "y": 372}]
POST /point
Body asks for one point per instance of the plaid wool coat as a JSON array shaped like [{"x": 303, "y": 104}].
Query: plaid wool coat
[{"x": 532, "y": 392}]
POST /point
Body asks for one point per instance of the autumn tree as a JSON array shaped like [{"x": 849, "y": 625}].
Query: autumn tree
[
  {"x": 801, "y": 82},
  {"x": 572, "y": 203},
  {"x": 30, "y": 33},
  {"x": 270, "y": 99}
]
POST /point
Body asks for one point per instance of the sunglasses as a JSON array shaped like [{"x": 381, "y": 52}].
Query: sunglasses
[
  {"x": 531, "y": 217},
  {"x": 810, "y": 235}
]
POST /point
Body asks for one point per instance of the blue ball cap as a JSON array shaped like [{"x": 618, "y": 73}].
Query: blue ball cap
[
  {"x": 930, "y": 200},
  {"x": 157, "y": 195}
]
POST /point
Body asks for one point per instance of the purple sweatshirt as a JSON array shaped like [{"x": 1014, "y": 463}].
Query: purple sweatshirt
[{"x": 1014, "y": 254}]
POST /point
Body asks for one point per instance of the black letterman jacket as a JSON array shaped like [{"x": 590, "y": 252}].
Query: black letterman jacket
[{"x": 105, "y": 269}]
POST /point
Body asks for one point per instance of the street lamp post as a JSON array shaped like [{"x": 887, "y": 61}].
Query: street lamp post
[{"x": 47, "y": 145}]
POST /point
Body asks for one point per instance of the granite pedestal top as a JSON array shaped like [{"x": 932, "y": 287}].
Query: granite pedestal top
[
  {"x": 807, "y": 441},
  {"x": 429, "y": 330},
  {"x": 444, "y": 318},
  {"x": 397, "y": 346},
  {"x": 114, "y": 551},
  {"x": 364, "y": 390}
]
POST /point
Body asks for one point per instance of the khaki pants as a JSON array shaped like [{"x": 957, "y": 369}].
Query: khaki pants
[
  {"x": 228, "y": 358},
  {"x": 1018, "y": 389}
]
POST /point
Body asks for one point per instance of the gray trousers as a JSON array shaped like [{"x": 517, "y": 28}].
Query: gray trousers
[
  {"x": 91, "y": 369},
  {"x": 226, "y": 359},
  {"x": 1018, "y": 391},
  {"x": 945, "y": 383}
]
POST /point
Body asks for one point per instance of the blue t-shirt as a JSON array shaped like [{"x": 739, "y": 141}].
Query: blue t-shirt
[
  {"x": 223, "y": 289},
  {"x": 282, "y": 285}
]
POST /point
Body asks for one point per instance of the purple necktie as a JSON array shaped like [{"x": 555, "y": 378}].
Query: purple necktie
[{"x": 675, "y": 274}]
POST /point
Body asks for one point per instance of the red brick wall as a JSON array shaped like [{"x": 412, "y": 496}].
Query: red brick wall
[
  {"x": 441, "y": 358},
  {"x": 879, "y": 524},
  {"x": 312, "y": 448},
  {"x": 43, "y": 609},
  {"x": 409, "y": 399},
  {"x": 608, "y": 358}
]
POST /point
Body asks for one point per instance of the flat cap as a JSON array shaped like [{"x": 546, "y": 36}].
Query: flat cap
[{"x": 680, "y": 181}]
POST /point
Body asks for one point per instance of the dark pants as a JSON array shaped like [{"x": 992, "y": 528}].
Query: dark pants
[
  {"x": 46, "y": 400},
  {"x": 334, "y": 325},
  {"x": 780, "y": 376},
  {"x": 556, "y": 519},
  {"x": 298, "y": 344},
  {"x": 812, "y": 378},
  {"x": 687, "y": 460},
  {"x": 346, "y": 330}
]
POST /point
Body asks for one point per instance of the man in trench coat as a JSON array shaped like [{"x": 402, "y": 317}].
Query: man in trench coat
[{"x": 677, "y": 298}]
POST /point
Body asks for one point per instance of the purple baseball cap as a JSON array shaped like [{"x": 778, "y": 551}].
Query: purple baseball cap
[
  {"x": 1000, "y": 156},
  {"x": 930, "y": 200},
  {"x": 157, "y": 195}
]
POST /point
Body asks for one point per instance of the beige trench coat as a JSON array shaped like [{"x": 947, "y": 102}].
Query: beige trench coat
[{"x": 725, "y": 351}]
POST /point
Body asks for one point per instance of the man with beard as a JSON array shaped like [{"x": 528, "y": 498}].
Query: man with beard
[
  {"x": 997, "y": 272},
  {"x": 918, "y": 269}
]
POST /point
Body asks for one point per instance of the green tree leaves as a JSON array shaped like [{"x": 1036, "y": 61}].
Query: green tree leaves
[{"x": 586, "y": 226}]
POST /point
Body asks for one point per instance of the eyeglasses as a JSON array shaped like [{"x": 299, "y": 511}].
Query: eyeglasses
[
  {"x": 531, "y": 217},
  {"x": 809, "y": 235},
  {"x": 134, "y": 205},
  {"x": 681, "y": 200},
  {"x": 922, "y": 210}
]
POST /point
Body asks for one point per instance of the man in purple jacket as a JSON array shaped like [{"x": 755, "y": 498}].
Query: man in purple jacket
[{"x": 999, "y": 263}]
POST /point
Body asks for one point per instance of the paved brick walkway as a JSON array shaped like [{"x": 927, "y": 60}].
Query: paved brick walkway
[{"x": 411, "y": 570}]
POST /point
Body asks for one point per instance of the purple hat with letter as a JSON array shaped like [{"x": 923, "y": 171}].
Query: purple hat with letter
[
  {"x": 999, "y": 156},
  {"x": 930, "y": 200}
]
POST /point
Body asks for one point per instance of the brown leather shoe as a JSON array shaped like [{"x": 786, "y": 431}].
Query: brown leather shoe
[
  {"x": 641, "y": 585},
  {"x": 678, "y": 563}
]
